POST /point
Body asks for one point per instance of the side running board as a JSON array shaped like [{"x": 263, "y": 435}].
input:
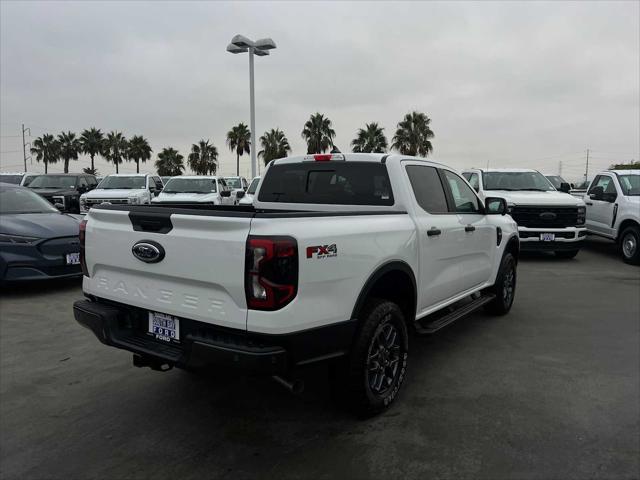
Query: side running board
[{"x": 428, "y": 325}]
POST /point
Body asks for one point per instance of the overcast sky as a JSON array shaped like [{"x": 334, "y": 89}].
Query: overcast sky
[{"x": 509, "y": 84}]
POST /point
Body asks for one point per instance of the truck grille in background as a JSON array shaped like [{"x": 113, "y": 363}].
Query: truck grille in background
[
  {"x": 90, "y": 202},
  {"x": 545, "y": 217}
]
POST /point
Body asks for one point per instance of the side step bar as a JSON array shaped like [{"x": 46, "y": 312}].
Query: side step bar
[{"x": 424, "y": 328}]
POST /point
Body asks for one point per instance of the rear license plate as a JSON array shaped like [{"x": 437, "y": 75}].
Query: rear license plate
[
  {"x": 73, "y": 258},
  {"x": 164, "y": 327},
  {"x": 547, "y": 237}
]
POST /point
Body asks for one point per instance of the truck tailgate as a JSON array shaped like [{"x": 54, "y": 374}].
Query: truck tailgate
[{"x": 201, "y": 276}]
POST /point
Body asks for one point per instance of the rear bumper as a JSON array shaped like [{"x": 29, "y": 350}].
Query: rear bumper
[{"x": 206, "y": 345}]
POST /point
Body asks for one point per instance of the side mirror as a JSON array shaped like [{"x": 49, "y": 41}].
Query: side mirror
[
  {"x": 225, "y": 193},
  {"x": 59, "y": 206},
  {"x": 596, "y": 193},
  {"x": 565, "y": 187},
  {"x": 81, "y": 188},
  {"x": 495, "y": 206},
  {"x": 240, "y": 194}
]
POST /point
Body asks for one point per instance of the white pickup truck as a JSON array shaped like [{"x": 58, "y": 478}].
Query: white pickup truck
[
  {"x": 548, "y": 219},
  {"x": 613, "y": 210},
  {"x": 339, "y": 258},
  {"x": 123, "y": 189}
]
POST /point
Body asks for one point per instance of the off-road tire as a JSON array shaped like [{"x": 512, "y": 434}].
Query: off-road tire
[
  {"x": 356, "y": 381},
  {"x": 505, "y": 287}
]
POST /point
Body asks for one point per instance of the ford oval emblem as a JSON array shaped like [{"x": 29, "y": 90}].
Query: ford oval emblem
[
  {"x": 548, "y": 216},
  {"x": 148, "y": 251}
]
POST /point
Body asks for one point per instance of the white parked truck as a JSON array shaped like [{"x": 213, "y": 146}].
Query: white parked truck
[
  {"x": 195, "y": 189},
  {"x": 338, "y": 260},
  {"x": 613, "y": 210},
  {"x": 548, "y": 220},
  {"x": 123, "y": 189},
  {"x": 247, "y": 198}
]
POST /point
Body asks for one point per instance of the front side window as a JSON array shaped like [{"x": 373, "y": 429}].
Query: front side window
[
  {"x": 465, "y": 201},
  {"x": 335, "y": 183},
  {"x": 534, "y": 181},
  {"x": 123, "y": 182},
  {"x": 233, "y": 182},
  {"x": 254, "y": 186},
  {"x": 604, "y": 181},
  {"x": 474, "y": 182},
  {"x": 427, "y": 188},
  {"x": 12, "y": 179},
  {"x": 630, "y": 185},
  {"x": 53, "y": 181}
]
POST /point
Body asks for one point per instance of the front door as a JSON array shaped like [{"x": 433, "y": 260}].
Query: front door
[{"x": 600, "y": 210}]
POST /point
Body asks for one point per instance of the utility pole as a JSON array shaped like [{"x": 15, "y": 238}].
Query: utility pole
[
  {"x": 560, "y": 168},
  {"x": 586, "y": 170},
  {"x": 24, "y": 146}
]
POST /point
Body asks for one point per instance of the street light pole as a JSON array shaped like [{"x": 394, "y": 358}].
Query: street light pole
[
  {"x": 241, "y": 44},
  {"x": 252, "y": 108}
]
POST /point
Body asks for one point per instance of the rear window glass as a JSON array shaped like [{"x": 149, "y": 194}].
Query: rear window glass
[{"x": 336, "y": 182}]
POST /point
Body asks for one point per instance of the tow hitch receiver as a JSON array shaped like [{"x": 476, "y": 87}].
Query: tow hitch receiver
[{"x": 153, "y": 363}]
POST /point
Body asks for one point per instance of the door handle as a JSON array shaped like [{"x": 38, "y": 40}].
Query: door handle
[
  {"x": 589, "y": 203},
  {"x": 433, "y": 232},
  {"x": 469, "y": 228}
]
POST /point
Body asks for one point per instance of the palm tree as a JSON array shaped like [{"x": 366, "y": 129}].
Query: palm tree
[
  {"x": 274, "y": 145},
  {"x": 45, "y": 149},
  {"x": 138, "y": 150},
  {"x": 170, "y": 163},
  {"x": 318, "y": 133},
  {"x": 239, "y": 139},
  {"x": 413, "y": 134},
  {"x": 370, "y": 139},
  {"x": 91, "y": 144},
  {"x": 115, "y": 148},
  {"x": 69, "y": 148},
  {"x": 203, "y": 158}
]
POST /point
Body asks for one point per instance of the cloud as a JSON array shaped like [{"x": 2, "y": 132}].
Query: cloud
[{"x": 509, "y": 83}]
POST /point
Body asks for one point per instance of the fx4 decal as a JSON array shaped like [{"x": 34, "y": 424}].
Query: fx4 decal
[{"x": 323, "y": 251}]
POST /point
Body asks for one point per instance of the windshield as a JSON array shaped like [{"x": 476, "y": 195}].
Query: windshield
[
  {"x": 124, "y": 183},
  {"x": 190, "y": 185},
  {"x": 14, "y": 179},
  {"x": 630, "y": 185},
  {"x": 555, "y": 180},
  {"x": 254, "y": 186},
  {"x": 233, "y": 182},
  {"x": 53, "y": 181},
  {"x": 516, "y": 181},
  {"x": 21, "y": 200}
]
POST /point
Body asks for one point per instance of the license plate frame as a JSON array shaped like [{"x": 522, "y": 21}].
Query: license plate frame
[
  {"x": 164, "y": 327},
  {"x": 547, "y": 237},
  {"x": 72, "y": 258}
]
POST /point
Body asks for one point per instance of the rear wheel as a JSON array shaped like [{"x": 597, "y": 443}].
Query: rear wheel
[
  {"x": 630, "y": 245},
  {"x": 376, "y": 367},
  {"x": 504, "y": 288},
  {"x": 566, "y": 253}
]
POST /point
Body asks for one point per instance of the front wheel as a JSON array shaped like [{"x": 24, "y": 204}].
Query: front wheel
[
  {"x": 630, "y": 245},
  {"x": 505, "y": 287},
  {"x": 376, "y": 367},
  {"x": 566, "y": 253}
]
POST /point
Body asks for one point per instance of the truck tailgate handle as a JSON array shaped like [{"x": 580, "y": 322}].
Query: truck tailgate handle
[
  {"x": 469, "y": 228},
  {"x": 434, "y": 231},
  {"x": 151, "y": 221}
]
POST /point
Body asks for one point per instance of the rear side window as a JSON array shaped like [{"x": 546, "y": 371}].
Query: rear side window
[
  {"x": 336, "y": 183},
  {"x": 427, "y": 188}
]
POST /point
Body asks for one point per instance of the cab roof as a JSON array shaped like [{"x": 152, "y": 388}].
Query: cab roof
[
  {"x": 353, "y": 157},
  {"x": 512, "y": 170},
  {"x": 626, "y": 172}
]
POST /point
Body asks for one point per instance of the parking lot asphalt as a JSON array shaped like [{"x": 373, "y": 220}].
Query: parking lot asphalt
[{"x": 549, "y": 391}]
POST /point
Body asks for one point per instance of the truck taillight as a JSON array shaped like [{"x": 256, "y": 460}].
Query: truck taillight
[
  {"x": 83, "y": 259},
  {"x": 271, "y": 272}
]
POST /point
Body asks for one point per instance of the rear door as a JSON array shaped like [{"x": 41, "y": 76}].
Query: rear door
[
  {"x": 474, "y": 236},
  {"x": 200, "y": 277},
  {"x": 439, "y": 270}
]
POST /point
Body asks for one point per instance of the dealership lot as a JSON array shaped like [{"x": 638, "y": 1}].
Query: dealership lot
[{"x": 549, "y": 391}]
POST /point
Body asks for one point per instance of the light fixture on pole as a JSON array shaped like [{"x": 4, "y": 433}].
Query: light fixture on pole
[{"x": 241, "y": 44}]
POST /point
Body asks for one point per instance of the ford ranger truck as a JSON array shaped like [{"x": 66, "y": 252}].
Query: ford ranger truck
[
  {"x": 548, "y": 220},
  {"x": 338, "y": 260},
  {"x": 613, "y": 210},
  {"x": 123, "y": 189}
]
